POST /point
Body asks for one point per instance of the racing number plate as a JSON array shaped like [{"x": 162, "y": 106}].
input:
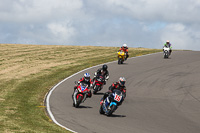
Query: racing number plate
[{"x": 118, "y": 98}]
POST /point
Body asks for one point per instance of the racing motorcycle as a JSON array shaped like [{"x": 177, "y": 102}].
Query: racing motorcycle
[
  {"x": 166, "y": 52},
  {"x": 98, "y": 83},
  {"x": 121, "y": 56},
  {"x": 111, "y": 103},
  {"x": 80, "y": 94}
]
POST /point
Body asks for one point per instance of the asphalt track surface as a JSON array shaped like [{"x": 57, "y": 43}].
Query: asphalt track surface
[{"x": 163, "y": 96}]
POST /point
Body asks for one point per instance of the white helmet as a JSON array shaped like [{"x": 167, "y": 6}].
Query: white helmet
[
  {"x": 125, "y": 45},
  {"x": 87, "y": 77},
  {"x": 167, "y": 41},
  {"x": 122, "y": 81}
]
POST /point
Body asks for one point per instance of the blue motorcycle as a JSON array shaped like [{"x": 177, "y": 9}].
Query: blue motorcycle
[{"x": 111, "y": 103}]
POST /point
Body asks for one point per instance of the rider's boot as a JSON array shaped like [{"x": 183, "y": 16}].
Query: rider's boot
[{"x": 101, "y": 101}]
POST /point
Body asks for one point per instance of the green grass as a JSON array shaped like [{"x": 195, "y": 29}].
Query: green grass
[{"x": 27, "y": 72}]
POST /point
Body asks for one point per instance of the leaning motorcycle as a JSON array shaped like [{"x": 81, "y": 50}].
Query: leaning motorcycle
[
  {"x": 80, "y": 94},
  {"x": 121, "y": 57},
  {"x": 111, "y": 103},
  {"x": 166, "y": 52},
  {"x": 98, "y": 83}
]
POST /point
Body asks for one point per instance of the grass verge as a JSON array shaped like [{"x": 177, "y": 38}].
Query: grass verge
[{"x": 27, "y": 72}]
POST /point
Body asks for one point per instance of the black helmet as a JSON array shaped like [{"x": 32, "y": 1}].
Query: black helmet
[{"x": 104, "y": 67}]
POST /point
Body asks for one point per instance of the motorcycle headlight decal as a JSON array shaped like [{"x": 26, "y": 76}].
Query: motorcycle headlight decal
[{"x": 83, "y": 88}]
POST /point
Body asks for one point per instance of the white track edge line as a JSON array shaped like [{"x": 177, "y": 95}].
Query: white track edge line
[{"x": 50, "y": 92}]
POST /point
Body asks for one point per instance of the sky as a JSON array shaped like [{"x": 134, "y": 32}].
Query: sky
[{"x": 138, "y": 23}]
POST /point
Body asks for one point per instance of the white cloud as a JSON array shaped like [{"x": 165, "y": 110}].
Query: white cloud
[
  {"x": 181, "y": 37},
  {"x": 165, "y": 10},
  {"x": 38, "y": 10},
  {"x": 145, "y": 23},
  {"x": 62, "y": 32}
]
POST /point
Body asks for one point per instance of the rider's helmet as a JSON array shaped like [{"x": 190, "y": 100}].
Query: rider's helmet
[
  {"x": 87, "y": 77},
  {"x": 104, "y": 67},
  {"x": 124, "y": 45},
  {"x": 167, "y": 41},
  {"x": 122, "y": 81}
]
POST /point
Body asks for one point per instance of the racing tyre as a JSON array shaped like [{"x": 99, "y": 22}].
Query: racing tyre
[
  {"x": 78, "y": 101},
  {"x": 119, "y": 61},
  {"x": 95, "y": 89},
  {"x": 112, "y": 109},
  {"x": 166, "y": 55},
  {"x": 101, "y": 110}
]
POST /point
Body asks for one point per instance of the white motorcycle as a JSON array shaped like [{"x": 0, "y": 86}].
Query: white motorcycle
[{"x": 166, "y": 52}]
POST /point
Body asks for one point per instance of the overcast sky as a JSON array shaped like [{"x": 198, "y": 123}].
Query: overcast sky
[{"x": 138, "y": 23}]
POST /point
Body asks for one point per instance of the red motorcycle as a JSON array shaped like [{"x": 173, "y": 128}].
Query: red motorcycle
[
  {"x": 80, "y": 94},
  {"x": 98, "y": 83}
]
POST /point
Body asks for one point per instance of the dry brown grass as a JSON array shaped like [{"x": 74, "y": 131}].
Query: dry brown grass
[{"x": 18, "y": 61}]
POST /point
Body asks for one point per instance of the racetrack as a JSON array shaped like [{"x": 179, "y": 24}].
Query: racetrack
[{"x": 163, "y": 96}]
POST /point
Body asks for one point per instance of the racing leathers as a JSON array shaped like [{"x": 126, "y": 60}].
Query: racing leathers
[{"x": 102, "y": 72}]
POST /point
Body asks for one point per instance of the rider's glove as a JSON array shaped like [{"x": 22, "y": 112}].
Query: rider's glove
[
  {"x": 91, "y": 85},
  {"x": 95, "y": 74}
]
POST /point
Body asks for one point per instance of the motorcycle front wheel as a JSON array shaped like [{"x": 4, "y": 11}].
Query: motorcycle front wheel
[
  {"x": 101, "y": 110},
  {"x": 166, "y": 56},
  {"x": 120, "y": 61},
  {"x": 78, "y": 101},
  {"x": 112, "y": 109},
  {"x": 95, "y": 89}
]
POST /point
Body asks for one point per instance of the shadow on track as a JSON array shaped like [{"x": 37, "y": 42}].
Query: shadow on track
[
  {"x": 113, "y": 115},
  {"x": 123, "y": 64},
  {"x": 99, "y": 93},
  {"x": 167, "y": 58},
  {"x": 82, "y": 107}
]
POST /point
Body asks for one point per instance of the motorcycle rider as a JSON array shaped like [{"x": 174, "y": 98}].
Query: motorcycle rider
[
  {"x": 102, "y": 71},
  {"x": 86, "y": 79},
  {"x": 124, "y": 48},
  {"x": 120, "y": 85},
  {"x": 168, "y": 45}
]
